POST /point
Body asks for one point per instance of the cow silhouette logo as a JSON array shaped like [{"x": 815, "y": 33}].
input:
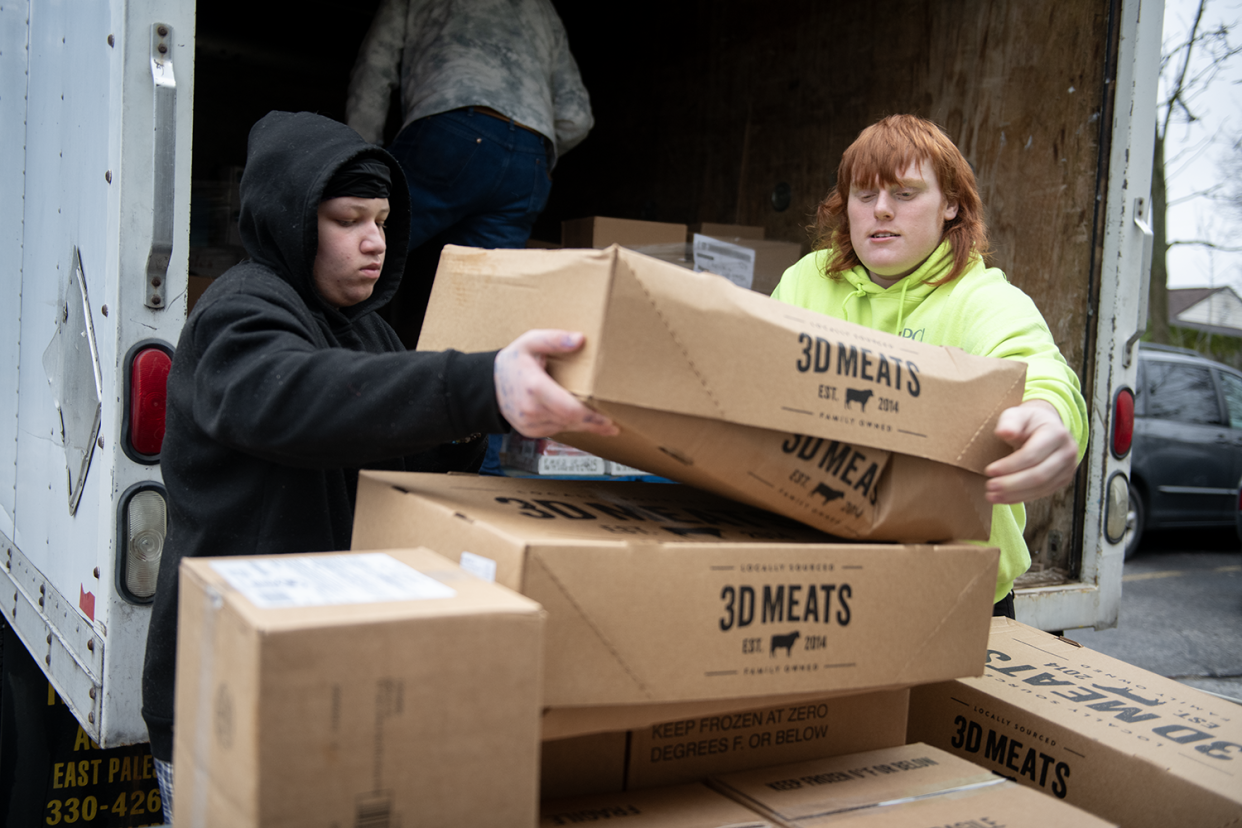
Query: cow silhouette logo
[
  {"x": 858, "y": 395},
  {"x": 785, "y": 641},
  {"x": 828, "y": 493}
]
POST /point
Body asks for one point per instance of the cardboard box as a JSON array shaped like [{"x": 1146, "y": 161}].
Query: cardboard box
[
  {"x": 601, "y": 231},
  {"x": 677, "y": 806},
  {"x": 568, "y": 722},
  {"x": 341, "y": 689},
  {"x": 734, "y": 392},
  {"x": 1003, "y": 804},
  {"x": 615, "y": 469},
  {"x": 661, "y": 593},
  {"x": 1125, "y": 744},
  {"x": 694, "y": 748},
  {"x": 727, "y": 231},
  {"x": 755, "y": 264},
  {"x": 545, "y": 456},
  {"x": 911, "y": 785},
  {"x": 677, "y": 253}
]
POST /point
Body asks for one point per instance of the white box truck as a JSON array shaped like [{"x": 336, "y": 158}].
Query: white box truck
[{"x": 98, "y": 122}]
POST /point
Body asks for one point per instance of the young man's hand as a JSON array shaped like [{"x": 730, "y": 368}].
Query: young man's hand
[
  {"x": 1044, "y": 459},
  {"x": 533, "y": 403}
]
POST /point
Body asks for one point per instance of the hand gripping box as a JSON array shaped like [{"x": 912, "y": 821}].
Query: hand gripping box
[
  {"x": 338, "y": 689},
  {"x": 1125, "y": 744},
  {"x": 661, "y": 593},
  {"x": 911, "y": 786},
  {"x": 853, "y": 431}
]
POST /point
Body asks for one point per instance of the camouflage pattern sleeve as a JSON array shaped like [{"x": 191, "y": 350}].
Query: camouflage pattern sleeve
[{"x": 374, "y": 75}]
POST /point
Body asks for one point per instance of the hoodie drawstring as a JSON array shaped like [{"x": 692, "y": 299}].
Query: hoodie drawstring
[
  {"x": 858, "y": 293},
  {"x": 901, "y": 307}
]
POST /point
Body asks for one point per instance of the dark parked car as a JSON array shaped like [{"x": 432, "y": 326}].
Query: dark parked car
[{"x": 1187, "y": 455}]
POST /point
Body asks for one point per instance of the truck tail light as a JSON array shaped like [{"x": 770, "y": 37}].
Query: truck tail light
[
  {"x": 143, "y": 526},
  {"x": 1123, "y": 423},
  {"x": 146, "y": 393},
  {"x": 1116, "y": 508}
]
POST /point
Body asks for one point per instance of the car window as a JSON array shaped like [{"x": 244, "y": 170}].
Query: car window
[
  {"x": 1180, "y": 391},
  {"x": 1233, "y": 398}
]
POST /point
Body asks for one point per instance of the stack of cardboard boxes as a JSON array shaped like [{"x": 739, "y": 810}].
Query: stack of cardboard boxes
[
  {"x": 695, "y": 655},
  {"x": 738, "y": 252}
]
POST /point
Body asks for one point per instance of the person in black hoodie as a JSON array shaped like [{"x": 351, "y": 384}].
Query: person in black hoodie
[{"x": 285, "y": 381}]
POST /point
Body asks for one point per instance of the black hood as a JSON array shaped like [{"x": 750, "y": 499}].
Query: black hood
[{"x": 291, "y": 157}]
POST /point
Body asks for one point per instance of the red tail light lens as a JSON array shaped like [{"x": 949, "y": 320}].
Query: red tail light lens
[
  {"x": 147, "y": 396},
  {"x": 1123, "y": 422}
]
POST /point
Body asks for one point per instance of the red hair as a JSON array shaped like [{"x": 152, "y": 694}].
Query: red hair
[{"x": 880, "y": 152}]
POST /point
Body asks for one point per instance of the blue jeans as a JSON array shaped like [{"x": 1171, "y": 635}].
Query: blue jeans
[
  {"x": 474, "y": 180},
  {"x": 164, "y": 778}
]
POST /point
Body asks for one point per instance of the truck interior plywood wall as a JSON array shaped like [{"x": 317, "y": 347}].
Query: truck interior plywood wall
[{"x": 737, "y": 111}]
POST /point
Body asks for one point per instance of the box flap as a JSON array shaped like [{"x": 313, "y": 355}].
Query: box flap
[{"x": 846, "y": 783}]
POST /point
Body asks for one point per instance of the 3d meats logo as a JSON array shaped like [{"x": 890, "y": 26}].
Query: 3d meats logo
[
  {"x": 828, "y": 493},
  {"x": 785, "y": 642},
  {"x": 858, "y": 395}
]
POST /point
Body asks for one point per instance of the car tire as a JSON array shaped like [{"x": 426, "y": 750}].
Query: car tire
[{"x": 1136, "y": 518}]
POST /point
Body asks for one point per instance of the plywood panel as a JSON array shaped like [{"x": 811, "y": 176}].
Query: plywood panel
[{"x": 704, "y": 108}]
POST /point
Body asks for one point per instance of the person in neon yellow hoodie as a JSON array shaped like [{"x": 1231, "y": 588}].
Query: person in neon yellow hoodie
[{"x": 900, "y": 247}]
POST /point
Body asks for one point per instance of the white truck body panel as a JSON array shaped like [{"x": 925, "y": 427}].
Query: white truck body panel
[{"x": 79, "y": 131}]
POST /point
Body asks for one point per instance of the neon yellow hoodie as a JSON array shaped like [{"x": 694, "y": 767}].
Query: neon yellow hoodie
[{"x": 979, "y": 312}]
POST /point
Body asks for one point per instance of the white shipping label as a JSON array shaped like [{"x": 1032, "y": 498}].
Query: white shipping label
[
  {"x": 732, "y": 261},
  {"x": 478, "y": 566},
  {"x": 305, "y": 581}
]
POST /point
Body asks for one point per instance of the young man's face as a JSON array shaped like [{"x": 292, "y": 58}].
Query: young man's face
[
  {"x": 894, "y": 228},
  {"x": 351, "y": 248}
]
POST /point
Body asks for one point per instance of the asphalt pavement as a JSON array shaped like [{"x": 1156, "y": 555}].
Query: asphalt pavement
[{"x": 1181, "y": 611}]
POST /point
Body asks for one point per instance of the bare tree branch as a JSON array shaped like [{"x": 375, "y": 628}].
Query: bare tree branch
[
  {"x": 1188, "y": 69},
  {"x": 1179, "y": 86},
  {"x": 1211, "y": 193},
  {"x": 1202, "y": 243}
]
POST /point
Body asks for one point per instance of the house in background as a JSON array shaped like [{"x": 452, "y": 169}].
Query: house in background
[{"x": 1210, "y": 310}]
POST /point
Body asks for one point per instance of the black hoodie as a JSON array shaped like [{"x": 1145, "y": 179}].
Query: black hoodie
[{"x": 276, "y": 398}]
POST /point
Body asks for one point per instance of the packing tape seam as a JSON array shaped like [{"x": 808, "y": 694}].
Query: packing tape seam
[
  {"x": 931, "y": 635},
  {"x": 594, "y": 628},
  {"x": 974, "y": 437},
  {"x": 655, "y": 306}
]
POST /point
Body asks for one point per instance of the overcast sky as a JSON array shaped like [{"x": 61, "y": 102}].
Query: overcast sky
[{"x": 1194, "y": 156}]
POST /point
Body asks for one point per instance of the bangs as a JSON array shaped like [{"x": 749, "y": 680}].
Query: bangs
[{"x": 882, "y": 152}]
